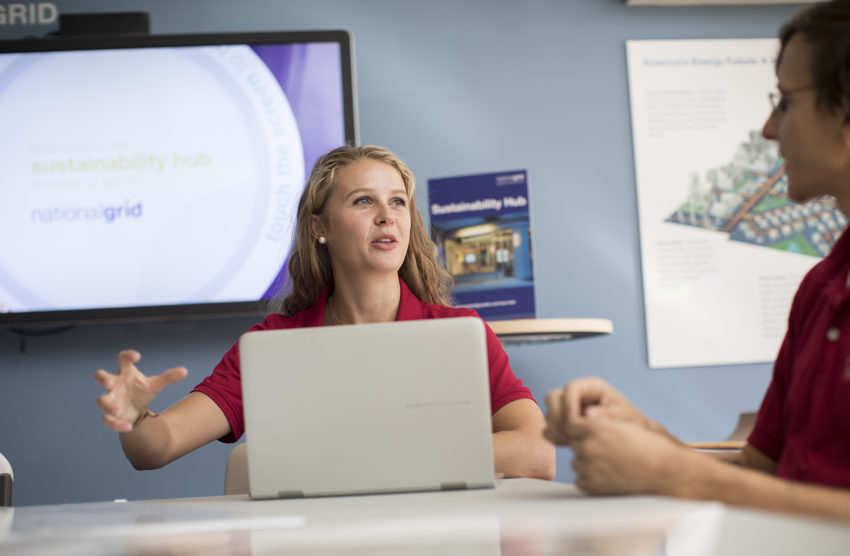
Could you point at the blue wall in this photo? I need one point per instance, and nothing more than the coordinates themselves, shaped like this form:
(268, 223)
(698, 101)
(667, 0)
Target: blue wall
(455, 87)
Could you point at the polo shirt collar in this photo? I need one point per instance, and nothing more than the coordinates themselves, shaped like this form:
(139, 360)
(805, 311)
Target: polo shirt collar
(313, 315)
(409, 307)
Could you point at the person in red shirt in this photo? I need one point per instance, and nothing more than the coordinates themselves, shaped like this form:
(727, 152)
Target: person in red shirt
(360, 255)
(797, 457)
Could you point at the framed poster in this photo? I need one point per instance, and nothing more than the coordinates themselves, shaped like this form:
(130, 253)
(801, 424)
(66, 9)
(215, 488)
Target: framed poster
(482, 226)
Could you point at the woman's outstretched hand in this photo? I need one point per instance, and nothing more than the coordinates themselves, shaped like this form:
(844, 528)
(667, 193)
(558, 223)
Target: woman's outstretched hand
(129, 392)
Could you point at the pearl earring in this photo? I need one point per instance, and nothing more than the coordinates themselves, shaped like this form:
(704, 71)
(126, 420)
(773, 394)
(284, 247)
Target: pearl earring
(322, 240)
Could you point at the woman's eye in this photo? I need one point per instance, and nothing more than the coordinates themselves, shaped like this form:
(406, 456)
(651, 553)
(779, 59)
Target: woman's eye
(362, 201)
(399, 202)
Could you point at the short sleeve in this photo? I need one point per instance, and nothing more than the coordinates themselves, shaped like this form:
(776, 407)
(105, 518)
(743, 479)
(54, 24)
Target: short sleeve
(505, 387)
(767, 434)
(224, 387)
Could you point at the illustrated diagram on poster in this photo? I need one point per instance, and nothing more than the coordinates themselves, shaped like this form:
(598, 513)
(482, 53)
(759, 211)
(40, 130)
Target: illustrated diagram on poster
(747, 199)
(723, 249)
(482, 227)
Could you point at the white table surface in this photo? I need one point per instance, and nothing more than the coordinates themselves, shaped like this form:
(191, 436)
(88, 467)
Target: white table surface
(519, 516)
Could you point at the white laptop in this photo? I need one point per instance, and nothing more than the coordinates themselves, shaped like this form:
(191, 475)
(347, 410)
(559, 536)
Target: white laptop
(373, 408)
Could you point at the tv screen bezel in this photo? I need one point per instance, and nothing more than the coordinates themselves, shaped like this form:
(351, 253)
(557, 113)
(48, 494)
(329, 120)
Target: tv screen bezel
(128, 313)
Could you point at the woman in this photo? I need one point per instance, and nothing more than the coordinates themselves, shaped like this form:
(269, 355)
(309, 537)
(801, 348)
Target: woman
(360, 255)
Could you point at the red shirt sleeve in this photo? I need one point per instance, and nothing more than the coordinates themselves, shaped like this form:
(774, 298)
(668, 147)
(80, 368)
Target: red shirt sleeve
(767, 435)
(505, 387)
(224, 387)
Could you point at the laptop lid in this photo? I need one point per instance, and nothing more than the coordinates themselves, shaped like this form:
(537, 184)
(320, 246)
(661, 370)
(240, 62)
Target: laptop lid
(374, 408)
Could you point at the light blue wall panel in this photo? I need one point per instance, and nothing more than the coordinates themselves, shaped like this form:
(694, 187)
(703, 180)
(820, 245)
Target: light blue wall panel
(455, 87)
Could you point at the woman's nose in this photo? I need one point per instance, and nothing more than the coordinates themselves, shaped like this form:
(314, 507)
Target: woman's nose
(383, 216)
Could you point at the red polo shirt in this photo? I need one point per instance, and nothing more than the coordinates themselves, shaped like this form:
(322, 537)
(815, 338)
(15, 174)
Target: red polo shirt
(804, 420)
(224, 385)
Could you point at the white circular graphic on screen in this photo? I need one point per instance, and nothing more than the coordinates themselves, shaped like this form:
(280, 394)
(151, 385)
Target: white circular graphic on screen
(148, 176)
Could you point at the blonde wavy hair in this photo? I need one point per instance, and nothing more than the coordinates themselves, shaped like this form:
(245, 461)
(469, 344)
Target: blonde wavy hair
(309, 267)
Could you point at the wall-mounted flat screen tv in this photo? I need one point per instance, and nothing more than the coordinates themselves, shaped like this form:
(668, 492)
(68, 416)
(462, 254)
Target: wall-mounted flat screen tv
(157, 176)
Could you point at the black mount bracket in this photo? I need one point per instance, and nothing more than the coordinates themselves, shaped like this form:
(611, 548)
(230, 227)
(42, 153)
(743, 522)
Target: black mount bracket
(100, 24)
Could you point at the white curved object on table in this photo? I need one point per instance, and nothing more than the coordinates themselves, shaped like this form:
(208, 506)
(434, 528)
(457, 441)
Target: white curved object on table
(522, 331)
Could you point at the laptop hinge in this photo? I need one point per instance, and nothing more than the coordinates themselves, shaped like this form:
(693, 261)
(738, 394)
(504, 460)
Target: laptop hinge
(290, 494)
(458, 485)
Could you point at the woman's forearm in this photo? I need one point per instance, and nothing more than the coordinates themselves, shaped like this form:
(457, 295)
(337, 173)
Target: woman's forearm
(519, 454)
(146, 446)
(157, 440)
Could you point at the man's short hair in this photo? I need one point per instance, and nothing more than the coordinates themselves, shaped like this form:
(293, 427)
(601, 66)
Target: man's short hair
(826, 27)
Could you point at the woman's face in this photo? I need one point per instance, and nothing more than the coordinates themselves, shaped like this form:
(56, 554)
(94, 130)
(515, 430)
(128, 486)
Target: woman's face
(366, 220)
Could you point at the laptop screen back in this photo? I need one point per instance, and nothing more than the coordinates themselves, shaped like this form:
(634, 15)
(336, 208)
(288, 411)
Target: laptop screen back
(356, 409)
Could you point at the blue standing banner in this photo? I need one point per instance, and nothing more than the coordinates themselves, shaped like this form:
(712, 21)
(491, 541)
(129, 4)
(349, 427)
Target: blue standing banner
(482, 226)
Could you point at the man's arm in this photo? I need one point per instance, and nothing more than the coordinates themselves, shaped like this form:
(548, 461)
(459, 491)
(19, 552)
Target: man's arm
(748, 457)
(754, 485)
(620, 457)
(591, 397)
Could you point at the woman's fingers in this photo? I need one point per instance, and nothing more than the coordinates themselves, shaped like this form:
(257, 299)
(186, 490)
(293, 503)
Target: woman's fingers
(104, 378)
(126, 363)
(118, 425)
(168, 377)
(111, 405)
(129, 356)
(128, 389)
(127, 360)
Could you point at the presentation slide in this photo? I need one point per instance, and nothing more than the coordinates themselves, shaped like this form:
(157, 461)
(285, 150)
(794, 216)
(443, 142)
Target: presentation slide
(154, 176)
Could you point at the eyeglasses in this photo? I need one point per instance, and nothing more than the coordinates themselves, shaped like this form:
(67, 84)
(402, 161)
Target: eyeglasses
(777, 98)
